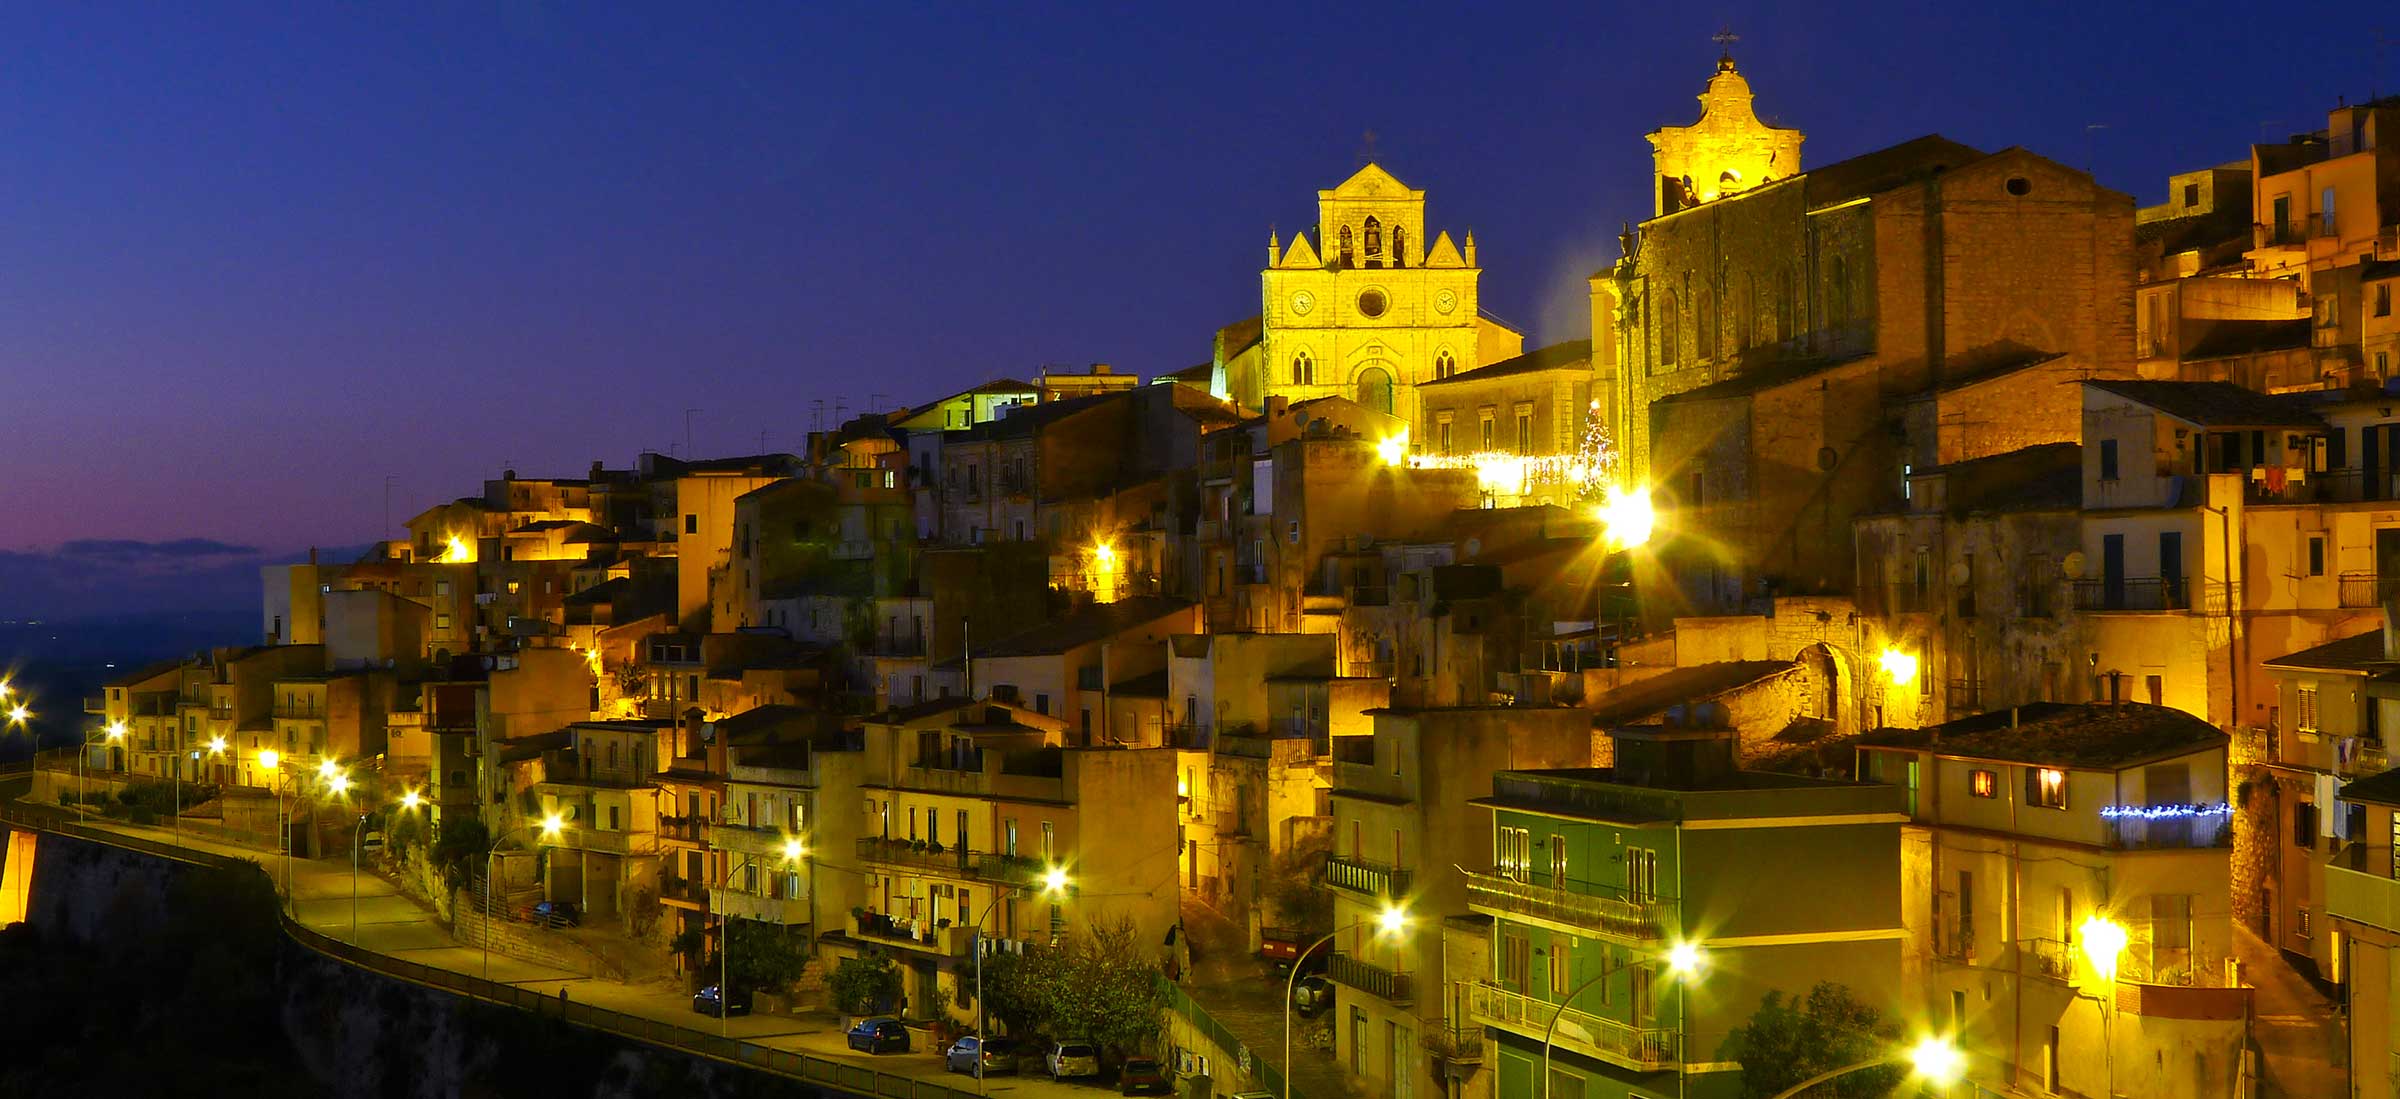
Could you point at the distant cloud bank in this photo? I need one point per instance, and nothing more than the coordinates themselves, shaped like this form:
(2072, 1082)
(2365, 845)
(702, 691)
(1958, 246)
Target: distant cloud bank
(106, 577)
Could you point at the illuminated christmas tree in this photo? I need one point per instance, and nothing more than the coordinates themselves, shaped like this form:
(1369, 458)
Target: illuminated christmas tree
(1596, 458)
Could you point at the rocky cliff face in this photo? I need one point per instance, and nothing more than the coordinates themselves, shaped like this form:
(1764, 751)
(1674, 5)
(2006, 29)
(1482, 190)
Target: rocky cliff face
(356, 1032)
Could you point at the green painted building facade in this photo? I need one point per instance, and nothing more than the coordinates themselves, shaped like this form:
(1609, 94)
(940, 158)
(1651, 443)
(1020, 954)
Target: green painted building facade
(1598, 876)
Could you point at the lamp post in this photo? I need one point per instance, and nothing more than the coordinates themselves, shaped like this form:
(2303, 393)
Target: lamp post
(1936, 1061)
(549, 828)
(408, 801)
(115, 730)
(1054, 883)
(1683, 961)
(1391, 921)
(272, 760)
(2103, 941)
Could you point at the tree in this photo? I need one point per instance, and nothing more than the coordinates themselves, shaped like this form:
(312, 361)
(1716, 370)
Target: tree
(764, 956)
(1790, 1040)
(459, 846)
(1296, 883)
(1103, 985)
(1008, 997)
(864, 983)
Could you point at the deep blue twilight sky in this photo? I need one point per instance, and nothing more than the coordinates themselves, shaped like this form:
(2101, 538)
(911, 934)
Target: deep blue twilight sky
(255, 259)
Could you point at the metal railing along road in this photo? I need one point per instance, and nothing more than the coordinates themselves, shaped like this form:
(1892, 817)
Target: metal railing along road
(857, 1079)
(1263, 1071)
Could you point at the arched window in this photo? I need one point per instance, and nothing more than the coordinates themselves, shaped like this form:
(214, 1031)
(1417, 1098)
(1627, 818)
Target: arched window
(1347, 260)
(1399, 246)
(1304, 369)
(1375, 389)
(1374, 242)
(1704, 327)
(1667, 317)
(1445, 364)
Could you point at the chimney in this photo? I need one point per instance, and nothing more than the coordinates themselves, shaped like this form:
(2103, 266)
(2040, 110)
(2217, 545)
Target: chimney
(508, 475)
(312, 555)
(1099, 368)
(596, 468)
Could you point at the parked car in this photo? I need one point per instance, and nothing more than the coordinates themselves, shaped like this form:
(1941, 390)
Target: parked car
(997, 1056)
(707, 1001)
(879, 1035)
(1067, 1059)
(1281, 946)
(1311, 995)
(556, 914)
(1144, 1076)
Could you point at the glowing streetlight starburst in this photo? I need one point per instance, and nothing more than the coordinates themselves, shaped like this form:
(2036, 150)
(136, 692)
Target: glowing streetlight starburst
(1685, 959)
(1393, 449)
(2103, 940)
(410, 799)
(1937, 1060)
(1899, 666)
(1626, 518)
(19, 715)
(552, 824)
(1054, 880)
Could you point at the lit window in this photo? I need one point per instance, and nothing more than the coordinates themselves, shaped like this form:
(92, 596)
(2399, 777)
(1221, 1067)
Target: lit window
(2304, 715)
(1983, 784)
(2045, 788)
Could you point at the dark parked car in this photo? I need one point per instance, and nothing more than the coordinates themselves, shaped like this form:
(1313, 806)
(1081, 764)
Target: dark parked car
(884, 1035)
(556, 914)
(997, 1055)
(1311, 996)
(1144, 1076)
(708, 1002)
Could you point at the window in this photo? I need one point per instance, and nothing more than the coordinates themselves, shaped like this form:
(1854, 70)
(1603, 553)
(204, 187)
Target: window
(2108, 459)
(1666, 329)
(1558, 861)
(2304, 714)
(1524, 431)
(441, 587)
(1983, 784)
(1372, 303)
(2316, 555)
(2045, 788)
(1049, 841)
(1514, 966)
(1041, 703)
(1444, 436)
(1347, 260)
(1641, 873)
(1291, 534)
(1304, 369)
(2304, 824)
(691, 524)
(1484, 423)
(1445, 364)
(1374, 240)
(1512, 851)
(2191, 195)
(1399, 246)
(2383, 299)
(1559, 957)
(2325, 208)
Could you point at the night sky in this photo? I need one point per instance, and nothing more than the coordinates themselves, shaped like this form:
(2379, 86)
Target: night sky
(254, 260)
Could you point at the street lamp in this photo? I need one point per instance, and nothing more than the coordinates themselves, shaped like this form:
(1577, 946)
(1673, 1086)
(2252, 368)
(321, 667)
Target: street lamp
(1054, 883)
(115, 730)
(1935, 1059)
(1683, 960)
(272, 760)
(358, 835)
(550, 828)
(1391, 921)
(2103, 941)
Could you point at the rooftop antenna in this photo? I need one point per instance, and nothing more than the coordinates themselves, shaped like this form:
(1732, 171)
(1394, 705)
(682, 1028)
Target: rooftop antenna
(762, 440)
(816, 415)
(687, 430)
(2091, 133)
(874, 401)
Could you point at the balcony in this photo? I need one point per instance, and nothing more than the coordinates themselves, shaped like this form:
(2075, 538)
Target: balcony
(2359, 887)
(750, 906)
(1398, 989)
(983, 866)
(1605, 910)
(950, 941)
(2358, 757)
(2195, 832)
(1194, 735)
(1459, 1045)
(2050, 958)
(730, 836)
(605, 842)
(1372, 878)
(2365, 589)
(682, 891)
(1643, 1049)
(2149, 593)
(679, 829)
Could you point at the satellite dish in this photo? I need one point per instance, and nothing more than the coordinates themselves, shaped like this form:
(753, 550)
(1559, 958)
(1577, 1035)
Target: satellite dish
(1474, 547)
(1959, 574)
(2072, 564)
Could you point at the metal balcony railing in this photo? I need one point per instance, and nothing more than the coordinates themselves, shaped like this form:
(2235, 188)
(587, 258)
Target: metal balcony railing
(1605, 910)
(2149, 593)
(1360, 876)
(1636, 1047)
(2195, 832)
(1374, 980)
(2051, 958)
(2365, 589)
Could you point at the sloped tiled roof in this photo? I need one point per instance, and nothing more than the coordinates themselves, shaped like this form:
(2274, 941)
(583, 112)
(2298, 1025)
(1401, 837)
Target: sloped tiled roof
(2089, 735)
(2356, 653)
(1571, 354)
(2212, 404)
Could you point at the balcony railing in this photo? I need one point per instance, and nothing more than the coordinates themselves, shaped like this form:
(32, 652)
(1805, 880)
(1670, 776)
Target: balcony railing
(949, 941)
(1187, 734)
(1374, 980)
(683, 829)
(2152, 593)
(1361, 876)
(682, 889)
(2358, 757)
(2197, 831)
(751, 906)
(1603, 909)
(1640, 1048)
(954, 862)
(1457, 1044)
(2365, 589)
(2051, 958)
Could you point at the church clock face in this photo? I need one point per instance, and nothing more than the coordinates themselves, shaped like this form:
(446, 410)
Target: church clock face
(1444, 301)
(1303, 301)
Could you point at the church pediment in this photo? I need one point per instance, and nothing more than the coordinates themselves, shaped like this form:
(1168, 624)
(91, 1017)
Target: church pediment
(1372, 182)
(1300, 257)
(1443, 253)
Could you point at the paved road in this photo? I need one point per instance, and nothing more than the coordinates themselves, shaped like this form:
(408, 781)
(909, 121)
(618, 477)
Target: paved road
(392, 924)
(2298, 1031)
(1246, 995)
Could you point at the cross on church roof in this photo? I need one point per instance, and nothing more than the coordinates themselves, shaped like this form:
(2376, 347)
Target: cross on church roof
(1366, 148)
(1725, 38)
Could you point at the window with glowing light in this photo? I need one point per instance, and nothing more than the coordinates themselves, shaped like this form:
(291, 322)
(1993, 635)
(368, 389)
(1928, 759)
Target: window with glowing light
(1983, 784)
(2045, 788)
